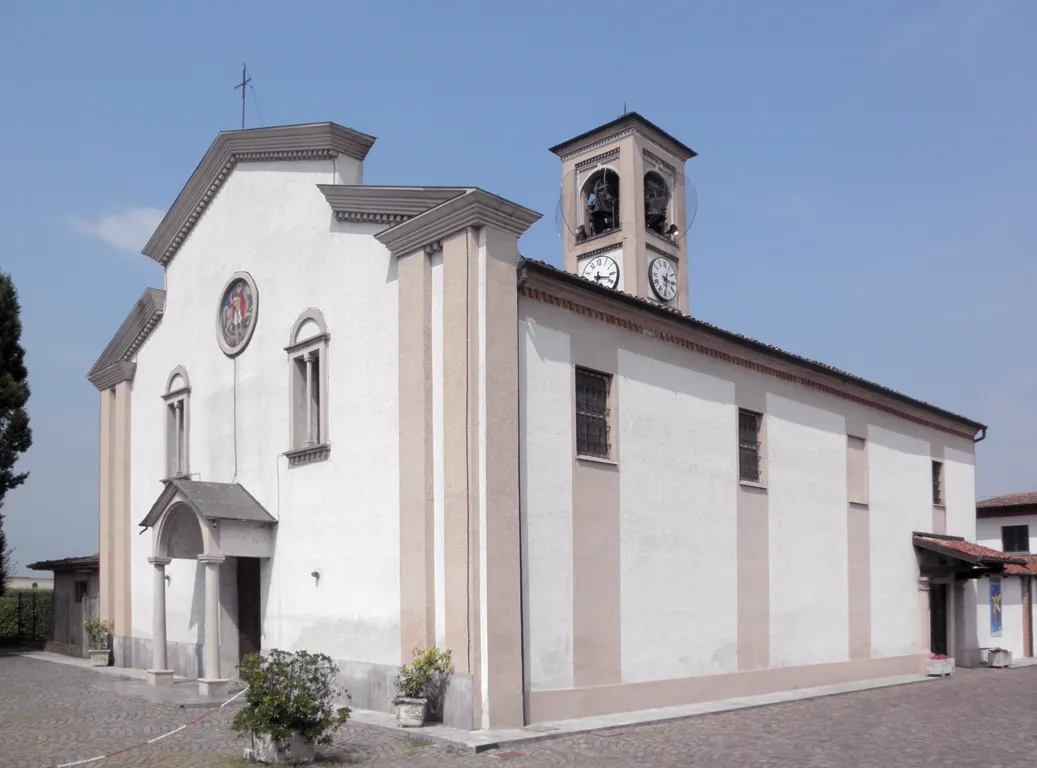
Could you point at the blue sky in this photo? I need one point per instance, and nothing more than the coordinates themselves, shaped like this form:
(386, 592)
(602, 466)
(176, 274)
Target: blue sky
(864, 179)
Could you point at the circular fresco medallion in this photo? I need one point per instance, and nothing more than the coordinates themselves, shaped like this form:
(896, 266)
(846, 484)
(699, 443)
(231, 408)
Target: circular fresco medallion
(237, 313)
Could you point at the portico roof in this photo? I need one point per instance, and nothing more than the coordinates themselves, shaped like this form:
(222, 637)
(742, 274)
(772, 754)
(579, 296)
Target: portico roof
(957, 548)
(213, 501)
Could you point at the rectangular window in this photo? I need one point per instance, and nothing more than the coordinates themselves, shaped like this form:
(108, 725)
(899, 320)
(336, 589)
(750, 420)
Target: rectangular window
(750, 463)
(857, 469)
(306, 399)
(81, 590)
(938, 483)
(592, 414)
(1015, 538)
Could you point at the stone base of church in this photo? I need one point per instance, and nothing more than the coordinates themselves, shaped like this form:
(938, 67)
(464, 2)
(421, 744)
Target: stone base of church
(212, 688)
(185, 659)
(160, 677)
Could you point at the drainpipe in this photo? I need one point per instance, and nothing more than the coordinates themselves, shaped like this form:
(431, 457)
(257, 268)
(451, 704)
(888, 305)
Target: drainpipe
(982, 436)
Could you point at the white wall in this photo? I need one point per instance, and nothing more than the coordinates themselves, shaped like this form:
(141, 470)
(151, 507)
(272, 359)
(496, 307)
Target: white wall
(959, 479)
(546, 476)
(341, 516)
(988, 529)
(901, 502)
(678, 521)
(807, 490)
(1011, 637)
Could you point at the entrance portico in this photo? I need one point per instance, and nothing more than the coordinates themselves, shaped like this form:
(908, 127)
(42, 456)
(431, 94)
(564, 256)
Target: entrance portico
(207, 522)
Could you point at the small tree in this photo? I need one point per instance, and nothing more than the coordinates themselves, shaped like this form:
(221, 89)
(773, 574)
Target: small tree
(426, 677)
(15, 435)
(290, 693)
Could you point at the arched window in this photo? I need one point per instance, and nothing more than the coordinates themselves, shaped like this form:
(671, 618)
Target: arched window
(657, 202)
(601, 202)
(308, 373)
(178, 422)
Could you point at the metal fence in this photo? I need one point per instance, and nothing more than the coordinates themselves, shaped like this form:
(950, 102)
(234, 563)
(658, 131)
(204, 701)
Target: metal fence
(26, 616)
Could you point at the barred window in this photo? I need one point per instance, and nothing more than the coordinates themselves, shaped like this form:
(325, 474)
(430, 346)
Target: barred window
(937, 482)
(749, 464)
(592, 413)
(1015, 538)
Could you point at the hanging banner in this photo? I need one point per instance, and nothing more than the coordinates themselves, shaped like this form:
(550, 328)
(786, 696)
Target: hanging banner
(995, 609)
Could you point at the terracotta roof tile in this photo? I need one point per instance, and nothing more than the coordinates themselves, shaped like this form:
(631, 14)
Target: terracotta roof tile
(1030, 569)
(1009, 500)
(970, 549)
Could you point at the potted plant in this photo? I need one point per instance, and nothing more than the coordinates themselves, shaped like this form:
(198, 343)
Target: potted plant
(939, 665)
(999, 657)
(288, 708)
(99, 630)
(421, 686)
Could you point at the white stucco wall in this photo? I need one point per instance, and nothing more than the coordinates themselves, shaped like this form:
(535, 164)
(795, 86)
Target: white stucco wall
(901, 502)
(1011, 636)
(339, 517)
(546, 475)
(676, 430)
(678, 521)
(988, 529)
(959, 479)
(807, 489)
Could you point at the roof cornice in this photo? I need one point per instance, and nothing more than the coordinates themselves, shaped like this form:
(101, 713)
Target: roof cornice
(544, 282)
(115, 363)
(625, 125)
(289, 142)
(474, 208)
(384, 205)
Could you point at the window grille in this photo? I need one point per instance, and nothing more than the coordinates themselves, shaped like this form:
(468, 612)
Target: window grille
(937, 482)
(592, 414)
(749, 464)
(1015, 538)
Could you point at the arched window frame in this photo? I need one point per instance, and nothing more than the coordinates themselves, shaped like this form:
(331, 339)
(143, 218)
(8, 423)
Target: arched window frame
(177, 399)
(666, 179)
(308, 391)
(586, 185)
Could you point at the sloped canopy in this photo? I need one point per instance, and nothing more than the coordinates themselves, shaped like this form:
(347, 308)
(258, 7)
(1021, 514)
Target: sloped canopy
(964, 558)
(212, 501)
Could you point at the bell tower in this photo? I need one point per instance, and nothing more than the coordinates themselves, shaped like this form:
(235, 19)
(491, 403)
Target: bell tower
(624, 207)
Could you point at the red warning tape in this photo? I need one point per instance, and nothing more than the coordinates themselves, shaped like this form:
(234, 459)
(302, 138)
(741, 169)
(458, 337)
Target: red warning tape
(211, 712)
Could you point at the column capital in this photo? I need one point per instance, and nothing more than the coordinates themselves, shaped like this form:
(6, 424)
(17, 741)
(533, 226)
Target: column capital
(211, 559)
(160, 561)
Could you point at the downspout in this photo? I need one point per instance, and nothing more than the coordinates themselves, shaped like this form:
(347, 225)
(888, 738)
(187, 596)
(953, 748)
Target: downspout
(982, 436)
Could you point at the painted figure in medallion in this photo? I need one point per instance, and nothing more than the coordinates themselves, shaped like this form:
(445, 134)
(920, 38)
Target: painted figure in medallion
(237, 312)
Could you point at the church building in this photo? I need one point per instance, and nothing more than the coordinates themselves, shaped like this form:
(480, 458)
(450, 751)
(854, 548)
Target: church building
(355, 420)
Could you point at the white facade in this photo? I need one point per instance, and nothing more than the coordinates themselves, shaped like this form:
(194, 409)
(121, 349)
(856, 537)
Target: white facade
(336, 517)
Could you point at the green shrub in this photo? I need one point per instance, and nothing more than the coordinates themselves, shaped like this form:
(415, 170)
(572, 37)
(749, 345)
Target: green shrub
(17, 611)
(426, 678)
(99, 631)
(290, 692)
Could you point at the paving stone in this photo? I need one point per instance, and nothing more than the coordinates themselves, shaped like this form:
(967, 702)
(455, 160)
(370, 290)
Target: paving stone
(53, 713)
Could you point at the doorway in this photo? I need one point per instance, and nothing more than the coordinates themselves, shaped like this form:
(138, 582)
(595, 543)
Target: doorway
(250, 623)
(938, 619)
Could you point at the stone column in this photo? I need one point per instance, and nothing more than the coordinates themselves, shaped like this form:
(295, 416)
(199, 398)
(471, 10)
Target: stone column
(159, 674)
(210, 683)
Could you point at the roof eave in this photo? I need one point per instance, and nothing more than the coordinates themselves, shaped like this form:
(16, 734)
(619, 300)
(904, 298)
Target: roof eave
(582, 284)
(682, 150)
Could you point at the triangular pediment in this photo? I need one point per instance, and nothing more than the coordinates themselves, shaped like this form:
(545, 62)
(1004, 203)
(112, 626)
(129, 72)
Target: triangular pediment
(291, 142)
(211, 501)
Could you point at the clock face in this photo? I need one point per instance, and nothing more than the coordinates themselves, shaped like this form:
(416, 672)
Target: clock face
(663, 277)
(603, 270)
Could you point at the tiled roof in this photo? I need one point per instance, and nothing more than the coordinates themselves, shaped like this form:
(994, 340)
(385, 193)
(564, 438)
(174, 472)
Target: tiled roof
(67, 563)
(662, 309)
(1030, 569)
(976, 552)
(1009, 500)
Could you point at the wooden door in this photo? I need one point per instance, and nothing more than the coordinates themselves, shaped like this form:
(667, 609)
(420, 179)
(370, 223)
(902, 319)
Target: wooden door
(249, 614)
(938, 618)
(1027, 617)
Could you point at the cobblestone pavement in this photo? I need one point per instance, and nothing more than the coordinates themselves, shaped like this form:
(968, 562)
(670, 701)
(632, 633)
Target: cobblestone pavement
(51, 713)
